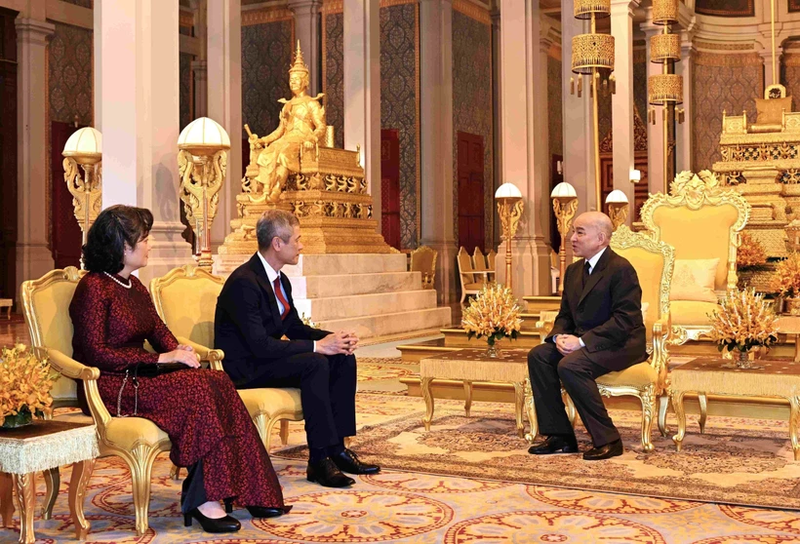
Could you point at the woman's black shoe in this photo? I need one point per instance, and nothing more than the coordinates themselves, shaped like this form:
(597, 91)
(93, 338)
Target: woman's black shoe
(263, 512)
(221, 525)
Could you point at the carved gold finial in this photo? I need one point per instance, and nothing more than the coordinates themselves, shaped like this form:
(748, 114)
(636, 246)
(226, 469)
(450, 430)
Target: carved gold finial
(298, 65)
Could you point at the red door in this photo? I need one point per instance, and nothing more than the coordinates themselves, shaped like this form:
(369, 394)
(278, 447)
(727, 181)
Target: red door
(390, 186)
(65, 231)
(470, 192)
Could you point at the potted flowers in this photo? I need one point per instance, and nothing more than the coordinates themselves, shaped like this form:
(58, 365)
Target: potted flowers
(493, 314)
(786, 282)
(25, 383)
(743, 321)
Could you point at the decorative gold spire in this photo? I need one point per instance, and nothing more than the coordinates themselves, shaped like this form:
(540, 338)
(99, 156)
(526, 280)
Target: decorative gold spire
(298, 65)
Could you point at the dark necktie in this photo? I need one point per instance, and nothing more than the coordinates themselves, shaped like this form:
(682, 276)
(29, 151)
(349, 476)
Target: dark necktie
(586, 273)
(281, 298)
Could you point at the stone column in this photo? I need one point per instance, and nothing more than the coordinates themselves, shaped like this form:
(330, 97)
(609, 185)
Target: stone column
(138, 102)
(362, 90)
(34, 258)
(622, 102)
(577, 117)
(523, 110)
(307, 30)
(683, 131)
(655, 132)
(436, 138)
(224, 56)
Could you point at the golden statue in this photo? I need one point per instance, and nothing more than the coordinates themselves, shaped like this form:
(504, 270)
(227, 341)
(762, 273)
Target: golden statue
(302, 129)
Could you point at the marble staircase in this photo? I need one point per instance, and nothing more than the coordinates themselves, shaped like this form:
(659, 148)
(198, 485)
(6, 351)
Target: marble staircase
(371, 294)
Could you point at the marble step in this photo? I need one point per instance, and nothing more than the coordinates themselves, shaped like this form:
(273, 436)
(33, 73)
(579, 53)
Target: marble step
(337, 264)
(353, 306)
(354, 284)
(391, 323)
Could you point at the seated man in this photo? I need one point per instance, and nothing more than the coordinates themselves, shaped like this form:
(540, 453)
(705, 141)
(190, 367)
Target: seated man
(254, 311)
(598, 329)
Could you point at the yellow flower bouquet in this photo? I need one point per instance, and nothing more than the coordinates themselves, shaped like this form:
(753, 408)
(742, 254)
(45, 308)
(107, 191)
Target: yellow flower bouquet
(751, 253)
(744, 321)
(786, 280)
(494, 314)
(25, 383)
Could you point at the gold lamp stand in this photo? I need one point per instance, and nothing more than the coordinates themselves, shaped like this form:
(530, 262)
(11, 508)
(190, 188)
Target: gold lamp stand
(565, 204)
(202, 161)
(85, 149)
(617, 205)
(509, 207)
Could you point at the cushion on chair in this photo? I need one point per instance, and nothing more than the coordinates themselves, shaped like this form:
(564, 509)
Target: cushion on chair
(637, 375)
(125, 432)
(693, 279)
(688, 312)
(762, 129)
(477, 286)
(770, 111)
(271, 401)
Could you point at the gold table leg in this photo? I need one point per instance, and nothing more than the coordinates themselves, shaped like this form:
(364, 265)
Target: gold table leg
(519, 401)
(468, 396)
(81, 472)
(702, 399)
(53, 481)
(6, 499)
(797, 348)
(680, 414)
(26, 492)
(794, 422)
(426, 394)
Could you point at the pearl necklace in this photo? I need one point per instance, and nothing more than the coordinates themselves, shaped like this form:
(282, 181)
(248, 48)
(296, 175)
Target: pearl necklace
(130, 283)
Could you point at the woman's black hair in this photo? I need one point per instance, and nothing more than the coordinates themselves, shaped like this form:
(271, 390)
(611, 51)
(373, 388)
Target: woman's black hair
(112, 230)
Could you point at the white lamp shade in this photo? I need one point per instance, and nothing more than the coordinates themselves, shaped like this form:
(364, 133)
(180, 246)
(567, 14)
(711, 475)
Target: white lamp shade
(616, 197)
(508, 190)
(85, 141)
(564, 190)
(204, 132)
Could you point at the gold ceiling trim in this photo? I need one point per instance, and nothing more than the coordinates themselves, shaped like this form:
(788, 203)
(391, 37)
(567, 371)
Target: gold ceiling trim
(714, 46)
(186, 18)
(331, 7)
(465, 7)
(266, 15)
(715, 59)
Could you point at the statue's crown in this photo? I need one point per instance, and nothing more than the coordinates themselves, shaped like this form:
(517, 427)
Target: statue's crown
(298, 65)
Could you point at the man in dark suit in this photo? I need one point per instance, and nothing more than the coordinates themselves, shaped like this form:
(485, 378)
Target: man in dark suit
(598, 329)
(254, 312)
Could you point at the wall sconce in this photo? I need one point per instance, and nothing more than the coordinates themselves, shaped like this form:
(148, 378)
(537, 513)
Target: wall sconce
(509, 208)
(84, 148)
(636, 177)
(202, 161)
(565, 204)
(617, 203)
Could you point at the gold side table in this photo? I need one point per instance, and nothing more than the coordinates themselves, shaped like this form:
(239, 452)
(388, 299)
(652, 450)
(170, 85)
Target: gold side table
(43, 446)
(707, 376)
(471, 365)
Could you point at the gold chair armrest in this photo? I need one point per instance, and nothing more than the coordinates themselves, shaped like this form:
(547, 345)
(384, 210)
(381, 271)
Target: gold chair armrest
(71, 368)
(213, 356)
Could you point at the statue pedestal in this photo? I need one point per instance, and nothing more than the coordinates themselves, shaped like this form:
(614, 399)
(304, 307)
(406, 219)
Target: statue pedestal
(370, 294)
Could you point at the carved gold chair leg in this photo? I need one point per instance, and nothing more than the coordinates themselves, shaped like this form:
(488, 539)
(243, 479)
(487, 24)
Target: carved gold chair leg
(572, 413)
(284, 431)
(140, 462)
(702, 399)
(663, 406)
(264, 429)
(175, 473)
(647, 396)
(428, 396)
(467, 397)
(81, 473)
(52, 480)
(533, 419)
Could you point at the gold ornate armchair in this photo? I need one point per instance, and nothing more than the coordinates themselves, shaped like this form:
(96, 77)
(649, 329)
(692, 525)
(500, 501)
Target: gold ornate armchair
(647, 381)
(701, 219)
(470, 284)
(423, 259)
(136, 440)
(186, 299)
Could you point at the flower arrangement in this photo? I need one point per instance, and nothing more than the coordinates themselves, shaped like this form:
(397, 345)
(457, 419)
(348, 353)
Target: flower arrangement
(744, 321)
(786, 280)
(25, 383)
(493, 314)
(751, 253)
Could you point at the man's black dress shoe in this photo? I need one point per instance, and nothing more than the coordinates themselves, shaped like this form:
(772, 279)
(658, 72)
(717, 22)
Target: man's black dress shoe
(348, 461)
(264, 512)
(555, 444)
(606, 451)
(221, 525)
(326, 474)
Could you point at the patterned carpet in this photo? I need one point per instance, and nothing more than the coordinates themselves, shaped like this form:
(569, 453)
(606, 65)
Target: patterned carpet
(416, 506)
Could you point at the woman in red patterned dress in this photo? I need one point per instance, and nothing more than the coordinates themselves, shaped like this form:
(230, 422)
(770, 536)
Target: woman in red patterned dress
(200, 410)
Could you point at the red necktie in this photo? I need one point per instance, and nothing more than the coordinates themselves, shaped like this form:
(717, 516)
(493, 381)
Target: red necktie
(279, 294)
